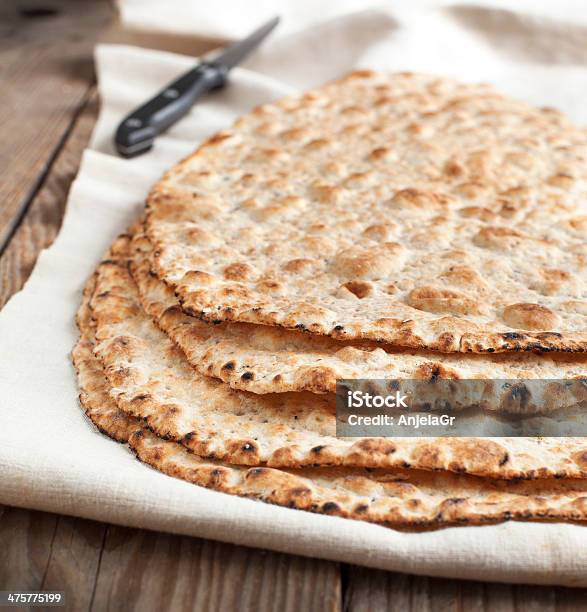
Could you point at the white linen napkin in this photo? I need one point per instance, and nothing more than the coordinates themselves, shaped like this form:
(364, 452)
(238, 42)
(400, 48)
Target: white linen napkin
(50, 456)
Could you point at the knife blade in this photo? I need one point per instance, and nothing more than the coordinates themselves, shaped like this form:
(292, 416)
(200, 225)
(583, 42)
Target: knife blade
(136, 133)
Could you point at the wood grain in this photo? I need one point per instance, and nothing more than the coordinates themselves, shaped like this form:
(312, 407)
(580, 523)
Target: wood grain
(140, 570)
(26, 538)
(74, 560)
(367, 590)
(41, 224)
(45, 74)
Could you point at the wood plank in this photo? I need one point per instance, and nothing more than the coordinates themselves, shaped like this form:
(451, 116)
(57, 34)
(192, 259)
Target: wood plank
(43, 219)
(45, 75)
(367, 590)
(567, 600)
(74, 558)
(26, 537)
(146, 571)
(533, 599)
(500, 597)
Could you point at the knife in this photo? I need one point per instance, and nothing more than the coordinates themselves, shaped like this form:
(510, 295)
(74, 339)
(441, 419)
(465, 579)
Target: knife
(136, 133)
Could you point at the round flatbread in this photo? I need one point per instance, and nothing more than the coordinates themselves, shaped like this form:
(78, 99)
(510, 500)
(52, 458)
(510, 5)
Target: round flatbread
(270, 359)
(402, 208)
(152, 380)
(398, 498)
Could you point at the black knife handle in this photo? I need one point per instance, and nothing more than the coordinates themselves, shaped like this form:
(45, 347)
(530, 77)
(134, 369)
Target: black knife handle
(136, 133)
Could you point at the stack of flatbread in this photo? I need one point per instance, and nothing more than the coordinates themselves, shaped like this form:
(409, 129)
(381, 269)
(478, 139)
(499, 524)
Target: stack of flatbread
(382, 226)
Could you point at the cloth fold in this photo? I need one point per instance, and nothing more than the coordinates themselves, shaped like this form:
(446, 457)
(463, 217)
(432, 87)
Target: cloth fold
(50, 456)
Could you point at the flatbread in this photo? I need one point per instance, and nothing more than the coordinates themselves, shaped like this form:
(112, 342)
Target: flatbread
(152, 380)
(97, 404)
(398, 498)
(269, 359)
(402, 208)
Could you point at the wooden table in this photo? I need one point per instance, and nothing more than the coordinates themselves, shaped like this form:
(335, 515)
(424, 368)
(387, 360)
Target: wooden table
(48, 107)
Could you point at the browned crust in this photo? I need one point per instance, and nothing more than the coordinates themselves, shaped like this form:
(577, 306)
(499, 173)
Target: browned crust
(390, 331)
(108, 418)
(268, 359)
(139, 394)
(347, 494)
(231, 301)
(393, 498)
(396, 500)
(94, 398)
